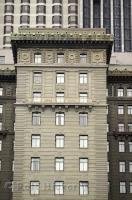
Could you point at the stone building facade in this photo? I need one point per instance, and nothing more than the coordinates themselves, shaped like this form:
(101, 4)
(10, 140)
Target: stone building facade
(61, 114)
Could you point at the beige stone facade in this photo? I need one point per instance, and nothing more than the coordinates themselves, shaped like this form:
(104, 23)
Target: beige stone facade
(94, 107)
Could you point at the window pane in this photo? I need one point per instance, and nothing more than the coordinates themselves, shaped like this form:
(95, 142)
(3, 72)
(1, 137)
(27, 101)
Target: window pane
(122, 187)
(1, 91)
(34, 187)
(83, 119)
(59, 188)
(83, 141)
(59, 141)
(35, 162)
(83, 97)
(60, 58)
(120, 92)
(35, 140)
(37, 77)
(59, 164)
(83, 164)
(36, 118)
(83, 78)
(129, 92)
(36, 97)
(0, 145)
(120, 110)
(121, 166)
(130, 146)
(60, 97)
(59, 118)
(121, 146)
(37, 58)
(129, 110)
(83, 188)
(121, 127)
(60, 78)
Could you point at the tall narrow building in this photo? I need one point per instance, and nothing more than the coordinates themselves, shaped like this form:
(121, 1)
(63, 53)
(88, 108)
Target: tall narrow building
(61, 114)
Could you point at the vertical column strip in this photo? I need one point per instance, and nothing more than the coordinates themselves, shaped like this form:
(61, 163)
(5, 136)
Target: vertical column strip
(91, 13)
(101, 13)
(122, 26)
(112, 19)
(81, 14)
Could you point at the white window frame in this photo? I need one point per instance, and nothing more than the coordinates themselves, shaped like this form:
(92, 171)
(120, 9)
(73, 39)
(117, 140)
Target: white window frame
(35, 141)
(120, 110)
(130, 146)
(36, 118)
(1, 91)
(37, 77)
(59, 187)
(121, 127)
(83, 78)
(129, 110)
(35, 163)
(121, 146)
(1, 109)
(130, 166)
(60, 119)
(59, 141)
(60, 78)
(37, 58)
(120, 92)
(83, 58)
(122, 187)
(59, 164)
(129, 92)
(84, 190)
(34, 187)
(83, 141)
(130, 127)
(37, 97)
(83, 97)
(60, 57)
(122, 166)
(83, 164)
(60, 97)
(83, 119)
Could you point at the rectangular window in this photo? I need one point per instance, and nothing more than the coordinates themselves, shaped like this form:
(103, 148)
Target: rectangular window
(60, 57)
(83, 77)
(0, 126)
(108, 146)
(120, 92)
(83, 58)
(122, 187)
(37, 77)
(2, 59)
(0, 165)
(60, 78)
(130, 187)
(36, 97)
(59, 187)
(60, 118)
(129, 127)
(59, 164)
(83, 141)
(122, 167)
(35, 164)
(59, 140)
(130, 146)
(83, 119)
(83, 188)
(60, 97)
(130, 166)
(83, 164)
(129, 110)
(1, 109)
(121, 127)
(83, 97)
(36, 118)
(121, 146)
(34, 187)
(0, 145)
(129, 92)
(35, 141)
(38, 58)
(1, 91)
(120, 110)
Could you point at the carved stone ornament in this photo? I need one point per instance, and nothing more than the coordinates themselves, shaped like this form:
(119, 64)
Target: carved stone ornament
(25, 56)
(97, 57)
(49, 57)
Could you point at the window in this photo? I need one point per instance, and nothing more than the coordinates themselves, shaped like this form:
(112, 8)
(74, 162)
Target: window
(129, 127)
(0, 165)
(121, 127)
(130, 166)
(83, 58)
(72, 19)
(72, 9)
(2, 59)
(59, 140)
(7, 40)
(130, 146)
(83, 119)
(83, 97)
(35, 140)
(38, 58)
(34, 187)
(40, 19)
(108, 146)
(120, 92)
(56, 19)
(25, 1)
(130, 187)
(83, 188)
(59, 187)
(57, 9)
(37, 77)
(0, 145)
(57, 1)
(60, 118)
(9, 1)
(1, 91)
(1, 109)
(8, 29)
(25, 9)
(83, 164)
(8, 19)
(9, 9)
(60, 97)
(121, 146)
(129, 92)
(59, 164)
(60, 57)
(35, 164)
(41, 9)
(36, 118)
(72, 1)
(60, 78)
(122, 187)
(83, 141)
(120, 110)
(24, 19)
(129, 110)
(36, 97)
(41, 1)
(83, 78)
(0, 126)
(122, 167)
